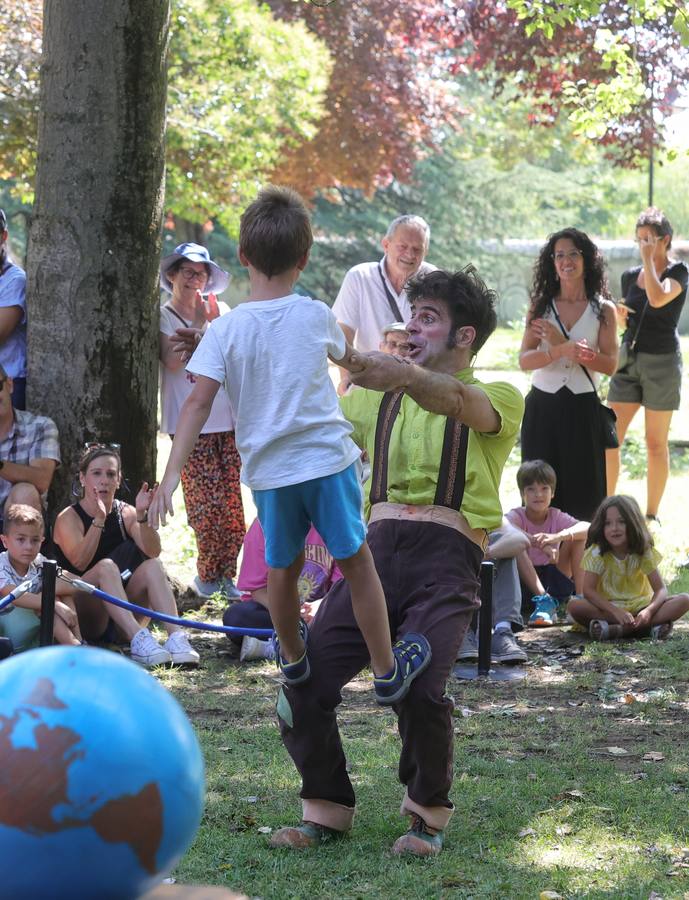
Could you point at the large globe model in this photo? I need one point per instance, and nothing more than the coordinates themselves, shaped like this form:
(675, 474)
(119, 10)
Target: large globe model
(101, 776)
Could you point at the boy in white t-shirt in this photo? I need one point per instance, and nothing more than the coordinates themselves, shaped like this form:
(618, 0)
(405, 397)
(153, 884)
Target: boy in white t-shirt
(271, 353)
(550, 570)
(21, 561)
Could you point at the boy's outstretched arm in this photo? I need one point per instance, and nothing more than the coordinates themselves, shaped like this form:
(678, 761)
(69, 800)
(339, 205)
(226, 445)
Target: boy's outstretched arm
(192, 418)
(355, 361)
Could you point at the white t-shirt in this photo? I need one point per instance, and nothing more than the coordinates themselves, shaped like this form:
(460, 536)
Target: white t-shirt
(565, 372)
(363, 305)
(176, 385)
(272, 356)
(9, 575)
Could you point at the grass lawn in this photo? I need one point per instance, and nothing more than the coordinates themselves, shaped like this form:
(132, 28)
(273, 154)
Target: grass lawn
(574, 780)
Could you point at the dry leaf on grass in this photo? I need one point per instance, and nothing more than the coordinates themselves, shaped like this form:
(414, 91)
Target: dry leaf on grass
(653, 756)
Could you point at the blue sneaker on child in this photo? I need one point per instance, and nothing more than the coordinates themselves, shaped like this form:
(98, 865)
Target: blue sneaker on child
(545, 611)
(299, 671)
(412, 655)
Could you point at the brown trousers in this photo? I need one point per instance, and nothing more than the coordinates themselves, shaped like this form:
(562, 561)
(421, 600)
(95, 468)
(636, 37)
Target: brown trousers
(430, 575)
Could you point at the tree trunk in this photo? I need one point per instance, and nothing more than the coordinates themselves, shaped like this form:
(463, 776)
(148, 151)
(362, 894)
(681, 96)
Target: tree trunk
(95, 236)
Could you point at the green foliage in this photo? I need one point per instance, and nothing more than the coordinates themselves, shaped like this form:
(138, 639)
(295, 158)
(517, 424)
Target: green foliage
(243, 87)
(595, 106)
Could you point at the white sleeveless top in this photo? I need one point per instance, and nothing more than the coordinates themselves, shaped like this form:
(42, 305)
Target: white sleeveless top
(566, 372)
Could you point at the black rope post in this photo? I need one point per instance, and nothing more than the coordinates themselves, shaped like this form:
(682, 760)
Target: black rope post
(485, 619)
(45, 635)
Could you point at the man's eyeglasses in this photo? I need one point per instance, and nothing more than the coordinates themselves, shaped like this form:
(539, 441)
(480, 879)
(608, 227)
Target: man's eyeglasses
(569, 255)
(189, 273)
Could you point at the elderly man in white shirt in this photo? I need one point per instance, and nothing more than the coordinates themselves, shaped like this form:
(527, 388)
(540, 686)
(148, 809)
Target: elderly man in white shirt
(372, 294)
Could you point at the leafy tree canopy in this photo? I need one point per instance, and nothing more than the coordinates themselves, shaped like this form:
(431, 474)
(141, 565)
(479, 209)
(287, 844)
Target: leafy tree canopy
(388, 96)
(243, 87)
(607, 65)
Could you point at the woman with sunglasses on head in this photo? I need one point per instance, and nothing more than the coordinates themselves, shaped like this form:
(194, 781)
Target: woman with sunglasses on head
(650, 372)
(12, 319)
(210, 479)
(99, 538)
(569, 341)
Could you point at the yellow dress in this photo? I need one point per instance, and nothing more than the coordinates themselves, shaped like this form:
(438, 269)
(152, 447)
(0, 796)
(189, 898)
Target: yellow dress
(623, 581)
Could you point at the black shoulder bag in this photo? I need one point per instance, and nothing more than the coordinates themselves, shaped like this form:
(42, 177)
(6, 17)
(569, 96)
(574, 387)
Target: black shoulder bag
(606, 416)
(627, 348)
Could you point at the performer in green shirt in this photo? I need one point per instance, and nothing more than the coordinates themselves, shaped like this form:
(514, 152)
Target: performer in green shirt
(438, 440)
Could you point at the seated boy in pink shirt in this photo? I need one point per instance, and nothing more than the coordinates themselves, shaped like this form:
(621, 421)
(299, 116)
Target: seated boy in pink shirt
(318, 575)
(550, 570)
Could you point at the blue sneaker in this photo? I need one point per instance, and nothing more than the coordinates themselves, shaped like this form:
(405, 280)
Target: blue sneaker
(412, 656)
(545, 611)
(294, 672)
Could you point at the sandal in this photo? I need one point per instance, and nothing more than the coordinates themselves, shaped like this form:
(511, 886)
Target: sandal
(661, 632)
(599, 630)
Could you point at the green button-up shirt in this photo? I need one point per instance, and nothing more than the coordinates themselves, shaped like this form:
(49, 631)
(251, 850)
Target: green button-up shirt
(416, 445)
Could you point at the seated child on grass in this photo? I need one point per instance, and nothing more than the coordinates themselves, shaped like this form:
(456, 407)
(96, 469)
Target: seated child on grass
(22, 539)
(624, 594)
(550, 570)
(320, 572)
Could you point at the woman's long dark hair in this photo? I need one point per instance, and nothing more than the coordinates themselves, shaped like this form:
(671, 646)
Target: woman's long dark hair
(546, 284)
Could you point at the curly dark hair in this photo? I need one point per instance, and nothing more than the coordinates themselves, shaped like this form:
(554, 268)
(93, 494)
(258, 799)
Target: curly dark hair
(467, 297)
(546, 284)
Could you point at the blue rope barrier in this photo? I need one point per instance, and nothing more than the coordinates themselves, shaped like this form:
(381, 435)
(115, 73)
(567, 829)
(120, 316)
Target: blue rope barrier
(20, 589)
(264, 633)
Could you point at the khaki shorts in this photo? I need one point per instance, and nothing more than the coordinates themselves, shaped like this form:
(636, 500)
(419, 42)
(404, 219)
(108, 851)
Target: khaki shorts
(651, 379)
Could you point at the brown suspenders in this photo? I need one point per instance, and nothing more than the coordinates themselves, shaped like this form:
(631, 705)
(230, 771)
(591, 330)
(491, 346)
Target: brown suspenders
(452, 472)
(387, 413)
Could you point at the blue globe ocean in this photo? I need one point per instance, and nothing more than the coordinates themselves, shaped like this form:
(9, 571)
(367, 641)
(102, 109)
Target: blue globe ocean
(101, 776)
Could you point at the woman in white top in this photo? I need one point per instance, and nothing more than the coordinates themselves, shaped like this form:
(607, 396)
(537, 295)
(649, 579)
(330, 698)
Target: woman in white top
(570, 338)
(210, 479)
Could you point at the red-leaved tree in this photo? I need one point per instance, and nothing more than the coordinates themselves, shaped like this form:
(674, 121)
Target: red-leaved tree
(387, 97)
(491, 39)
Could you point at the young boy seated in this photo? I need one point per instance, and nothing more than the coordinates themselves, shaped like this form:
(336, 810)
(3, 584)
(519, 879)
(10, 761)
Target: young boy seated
(22, 538)
(318, 575)
(550, 570)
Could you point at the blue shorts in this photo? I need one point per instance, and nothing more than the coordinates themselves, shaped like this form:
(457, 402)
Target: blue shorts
(332, 504)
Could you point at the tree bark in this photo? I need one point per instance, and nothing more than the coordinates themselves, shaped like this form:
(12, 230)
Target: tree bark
(94, 243)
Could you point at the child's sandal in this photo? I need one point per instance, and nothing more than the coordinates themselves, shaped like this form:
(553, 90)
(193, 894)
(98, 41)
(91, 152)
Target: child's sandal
(661, 632)
(598, 630)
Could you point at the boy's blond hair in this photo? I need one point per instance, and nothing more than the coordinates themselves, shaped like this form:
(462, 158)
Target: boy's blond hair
(275, 230)
(21, 514)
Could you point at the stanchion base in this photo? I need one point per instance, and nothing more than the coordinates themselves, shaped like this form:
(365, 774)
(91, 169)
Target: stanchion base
(504, 673)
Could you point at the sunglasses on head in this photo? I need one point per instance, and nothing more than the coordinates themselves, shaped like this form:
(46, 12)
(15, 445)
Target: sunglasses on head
(99, 445)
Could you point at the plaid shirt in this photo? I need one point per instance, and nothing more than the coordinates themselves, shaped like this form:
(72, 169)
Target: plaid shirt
(31, 437)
